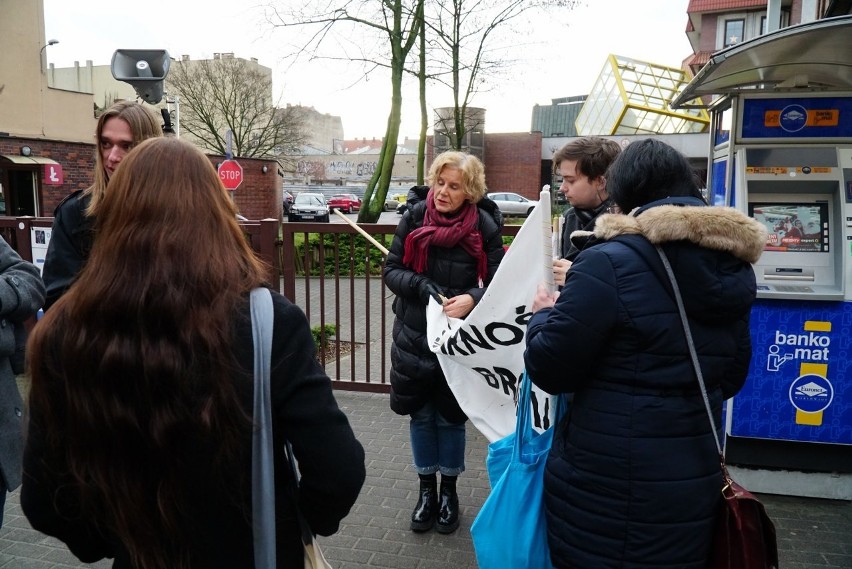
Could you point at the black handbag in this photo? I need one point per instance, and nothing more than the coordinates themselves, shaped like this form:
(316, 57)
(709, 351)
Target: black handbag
(744, 536)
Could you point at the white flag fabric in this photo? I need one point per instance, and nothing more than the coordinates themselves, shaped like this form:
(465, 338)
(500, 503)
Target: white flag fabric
(482, 356)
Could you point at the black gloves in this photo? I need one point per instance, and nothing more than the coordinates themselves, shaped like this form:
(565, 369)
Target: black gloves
(426, 288)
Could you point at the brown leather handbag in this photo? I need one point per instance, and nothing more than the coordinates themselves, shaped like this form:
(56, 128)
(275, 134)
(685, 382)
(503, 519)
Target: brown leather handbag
(744, 536)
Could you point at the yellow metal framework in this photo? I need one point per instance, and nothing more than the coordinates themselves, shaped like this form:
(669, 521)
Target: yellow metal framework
(633, 97)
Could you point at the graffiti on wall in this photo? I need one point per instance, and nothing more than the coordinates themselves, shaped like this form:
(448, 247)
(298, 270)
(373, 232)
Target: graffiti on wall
(311, 168)
(366, 168)
(335, 168)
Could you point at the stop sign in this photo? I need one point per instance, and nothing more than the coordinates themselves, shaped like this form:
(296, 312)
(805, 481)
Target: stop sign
(231, 174)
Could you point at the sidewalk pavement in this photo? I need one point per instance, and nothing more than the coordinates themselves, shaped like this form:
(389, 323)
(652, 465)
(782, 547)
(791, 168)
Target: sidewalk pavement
(812, 533)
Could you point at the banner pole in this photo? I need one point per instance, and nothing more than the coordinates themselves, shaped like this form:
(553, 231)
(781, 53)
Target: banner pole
(547, 236)
(366, 235)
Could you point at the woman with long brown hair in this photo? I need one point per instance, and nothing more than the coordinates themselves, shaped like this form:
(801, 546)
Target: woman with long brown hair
(139, 434)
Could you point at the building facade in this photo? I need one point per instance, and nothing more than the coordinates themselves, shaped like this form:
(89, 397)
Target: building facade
(48, 120)
(46, 134)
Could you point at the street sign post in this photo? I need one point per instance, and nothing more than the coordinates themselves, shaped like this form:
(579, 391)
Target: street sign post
(231, 174)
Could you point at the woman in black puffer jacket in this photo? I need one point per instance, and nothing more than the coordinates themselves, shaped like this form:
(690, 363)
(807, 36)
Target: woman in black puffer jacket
(633, 478)
(447, 247)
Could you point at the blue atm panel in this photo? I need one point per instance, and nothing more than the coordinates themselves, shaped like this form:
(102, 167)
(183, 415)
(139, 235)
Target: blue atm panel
(717, 194)
(800, 381)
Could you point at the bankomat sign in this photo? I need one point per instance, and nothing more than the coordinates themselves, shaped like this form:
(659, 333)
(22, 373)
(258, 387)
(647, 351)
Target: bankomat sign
(811, 393)
(797, 387)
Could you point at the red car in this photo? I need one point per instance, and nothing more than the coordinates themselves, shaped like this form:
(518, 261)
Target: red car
(347, 203)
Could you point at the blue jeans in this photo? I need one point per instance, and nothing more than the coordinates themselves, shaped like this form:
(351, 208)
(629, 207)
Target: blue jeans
(436, 443)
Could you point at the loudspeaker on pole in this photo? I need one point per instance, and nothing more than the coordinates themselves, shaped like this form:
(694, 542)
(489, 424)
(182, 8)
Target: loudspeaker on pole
(144, 69)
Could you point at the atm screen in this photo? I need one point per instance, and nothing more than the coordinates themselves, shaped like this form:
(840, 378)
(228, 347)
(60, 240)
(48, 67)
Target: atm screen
(794, 227)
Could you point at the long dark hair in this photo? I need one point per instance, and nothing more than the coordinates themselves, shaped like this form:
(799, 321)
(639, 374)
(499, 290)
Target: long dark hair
(649, 170)
(135, 363)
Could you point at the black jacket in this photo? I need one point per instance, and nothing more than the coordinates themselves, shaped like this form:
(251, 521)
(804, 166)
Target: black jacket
(70, 244)
(416, 376)
(218, 520)
(579, 220)
(633, 476)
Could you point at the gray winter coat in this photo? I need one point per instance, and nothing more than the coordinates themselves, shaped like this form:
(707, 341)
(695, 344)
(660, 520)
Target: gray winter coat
(21, 295)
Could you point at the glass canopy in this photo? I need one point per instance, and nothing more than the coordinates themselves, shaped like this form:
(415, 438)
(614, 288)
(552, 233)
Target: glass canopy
(633, 97)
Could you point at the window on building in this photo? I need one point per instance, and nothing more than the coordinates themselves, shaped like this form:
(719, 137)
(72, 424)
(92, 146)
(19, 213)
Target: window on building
(734, 32)
(762, 25)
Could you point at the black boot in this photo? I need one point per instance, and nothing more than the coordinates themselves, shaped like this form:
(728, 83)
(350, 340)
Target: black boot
(448, 508)
(426, 510)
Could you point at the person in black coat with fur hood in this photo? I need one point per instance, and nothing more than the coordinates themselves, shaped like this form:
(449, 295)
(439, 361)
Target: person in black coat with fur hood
(447, 247)
(633, 478)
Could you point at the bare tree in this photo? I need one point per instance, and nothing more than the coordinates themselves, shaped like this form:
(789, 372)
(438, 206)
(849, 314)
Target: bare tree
(386, 30)
(459, 48)
(233, 94)
(473, 47)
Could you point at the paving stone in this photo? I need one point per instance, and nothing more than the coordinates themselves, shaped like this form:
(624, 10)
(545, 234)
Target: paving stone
(811, 533)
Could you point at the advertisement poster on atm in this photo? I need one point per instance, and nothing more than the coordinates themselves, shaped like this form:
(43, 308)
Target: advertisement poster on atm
(800, 381)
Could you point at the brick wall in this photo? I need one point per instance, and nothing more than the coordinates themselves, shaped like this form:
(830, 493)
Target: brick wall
(513, 163)
(258, 197)
(77, 160)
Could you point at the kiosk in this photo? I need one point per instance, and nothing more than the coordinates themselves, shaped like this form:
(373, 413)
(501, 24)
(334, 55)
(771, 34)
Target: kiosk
(782, 153)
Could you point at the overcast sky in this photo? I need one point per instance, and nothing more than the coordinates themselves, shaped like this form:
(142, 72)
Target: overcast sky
(559, 60)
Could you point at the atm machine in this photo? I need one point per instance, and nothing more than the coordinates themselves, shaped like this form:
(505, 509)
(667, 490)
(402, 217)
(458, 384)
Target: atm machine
(782, 153)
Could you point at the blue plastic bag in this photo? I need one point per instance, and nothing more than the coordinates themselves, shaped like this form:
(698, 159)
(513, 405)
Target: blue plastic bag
(510, 530)
(500, 451)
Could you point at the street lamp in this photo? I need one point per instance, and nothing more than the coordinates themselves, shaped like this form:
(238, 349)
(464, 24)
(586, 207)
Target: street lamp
(41, 53)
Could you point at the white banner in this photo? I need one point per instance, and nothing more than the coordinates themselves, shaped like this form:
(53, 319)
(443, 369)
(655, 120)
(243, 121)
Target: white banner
(483, 355)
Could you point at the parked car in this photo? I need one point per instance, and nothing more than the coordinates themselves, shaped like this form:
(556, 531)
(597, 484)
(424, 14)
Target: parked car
(513, 204)
(393, 201)
(288, 201)
(390, 204)
(347, 203)
(308, 207)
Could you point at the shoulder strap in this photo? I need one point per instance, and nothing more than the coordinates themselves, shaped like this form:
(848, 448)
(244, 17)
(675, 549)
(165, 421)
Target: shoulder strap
(685, 322)
(263, 467)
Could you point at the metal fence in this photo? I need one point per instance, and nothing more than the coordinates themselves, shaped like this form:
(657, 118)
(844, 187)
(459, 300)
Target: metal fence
(335, 276)
(327, 269)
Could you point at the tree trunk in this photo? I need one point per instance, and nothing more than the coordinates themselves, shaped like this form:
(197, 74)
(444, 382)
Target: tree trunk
(377, 189)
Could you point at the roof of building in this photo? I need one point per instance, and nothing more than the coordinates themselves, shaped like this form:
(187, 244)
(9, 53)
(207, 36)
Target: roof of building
(698, 59)
(360, 145)
(374, 146)
(557, 118)
(814, 55)
(723, 5)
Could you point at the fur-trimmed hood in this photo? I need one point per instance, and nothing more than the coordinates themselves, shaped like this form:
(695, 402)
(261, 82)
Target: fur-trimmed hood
(717, 228)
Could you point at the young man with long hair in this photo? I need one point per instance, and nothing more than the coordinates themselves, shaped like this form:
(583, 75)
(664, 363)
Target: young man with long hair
(121, 127)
